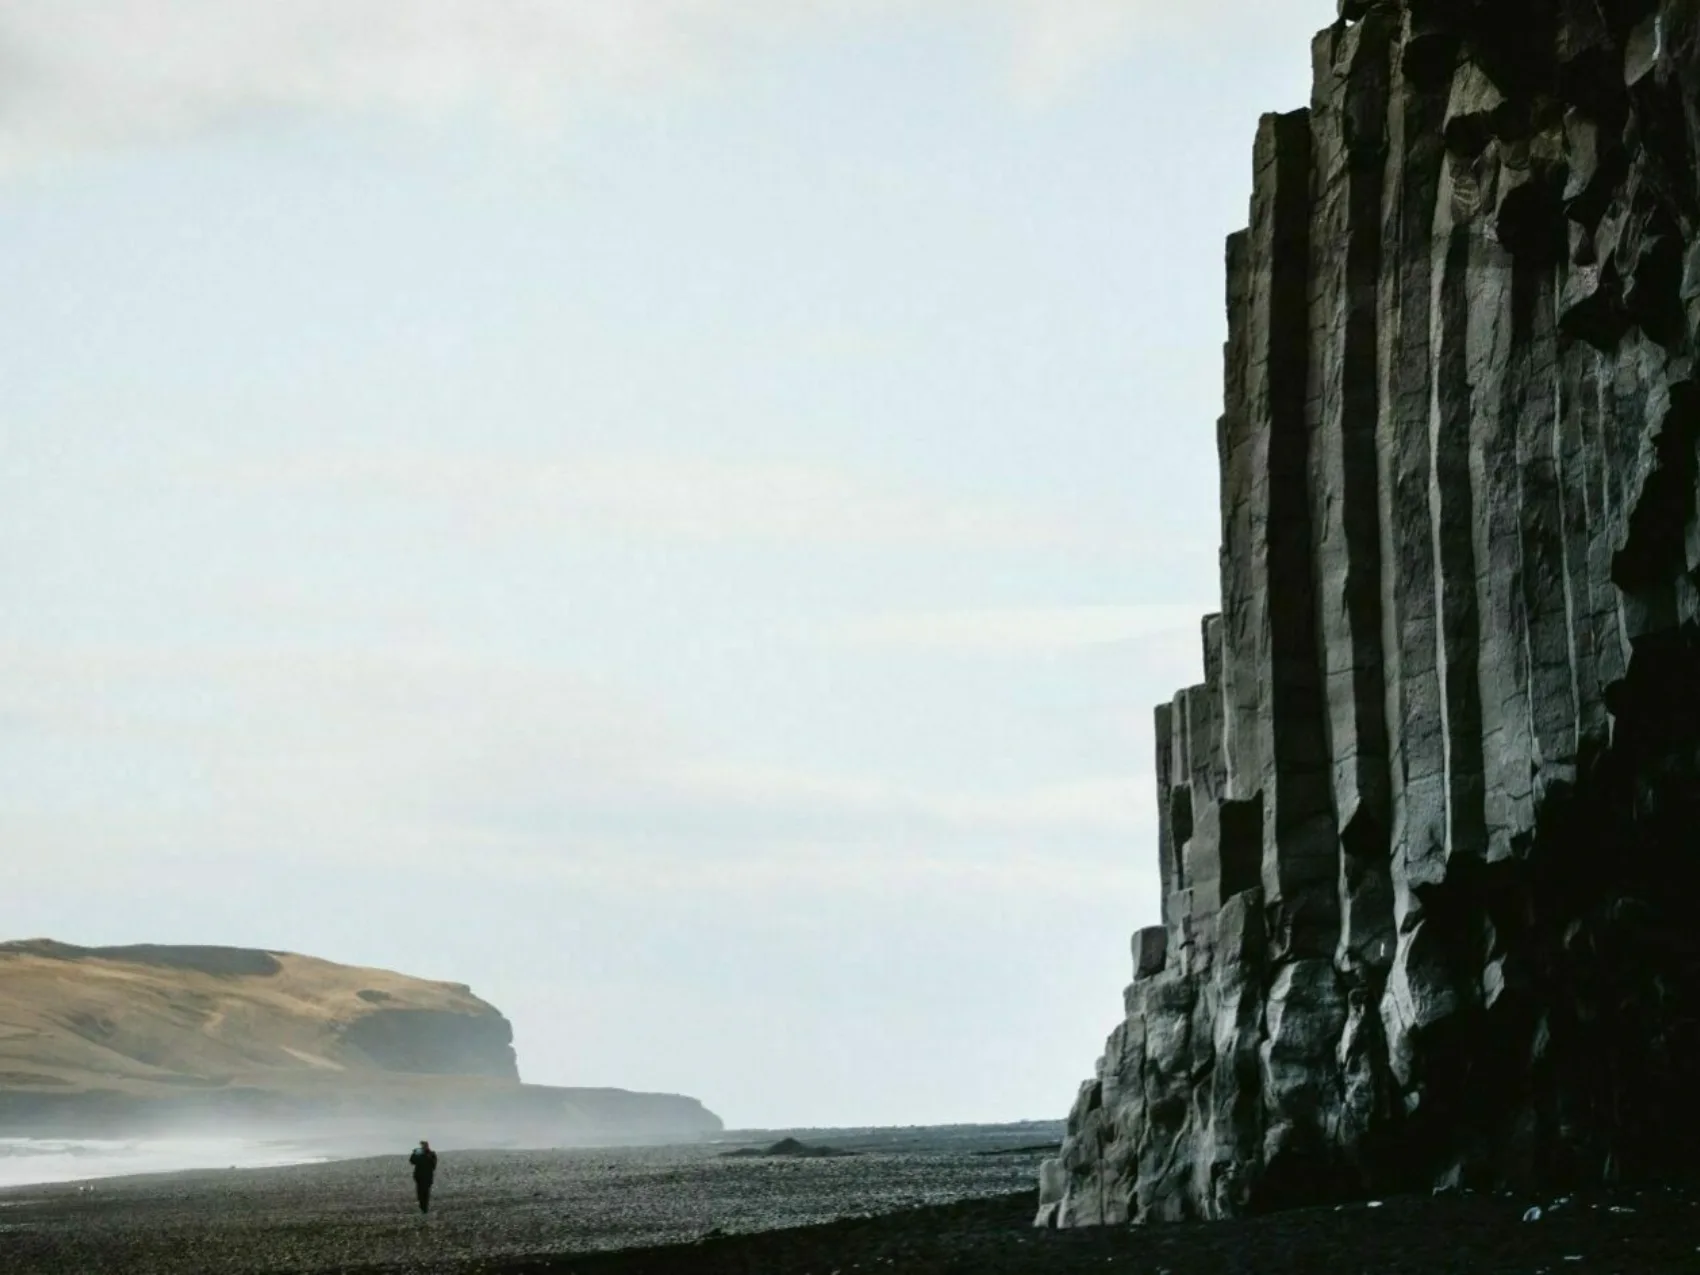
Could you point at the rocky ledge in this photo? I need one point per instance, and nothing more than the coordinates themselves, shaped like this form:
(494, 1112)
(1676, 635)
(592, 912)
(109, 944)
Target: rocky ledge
(1428, 836)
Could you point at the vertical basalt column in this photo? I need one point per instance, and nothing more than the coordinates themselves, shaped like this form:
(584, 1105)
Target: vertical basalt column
(1183, 810)
(1508, 1039)
(1555, 710)
(1242, 694)
(1301, 850)
(1594, 600)
(1484, 367)
(1587, 602)
(1417, 757)
(1204, 734)
(1231, 1132)
(1167, 848)
(1469, 337)
(1304, 1010)
(1211, 631)
(1349, 130)
(1203, 851)
(1613, 626)
(1491, 395)
(1201, 754)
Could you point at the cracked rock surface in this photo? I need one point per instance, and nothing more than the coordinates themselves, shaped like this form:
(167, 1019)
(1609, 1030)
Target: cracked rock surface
(1430, 831)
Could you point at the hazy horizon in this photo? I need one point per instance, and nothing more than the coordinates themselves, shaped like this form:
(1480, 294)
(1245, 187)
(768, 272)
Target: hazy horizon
(674, 517)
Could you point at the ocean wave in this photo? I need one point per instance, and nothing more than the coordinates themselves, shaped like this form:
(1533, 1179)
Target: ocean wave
(37, 1161)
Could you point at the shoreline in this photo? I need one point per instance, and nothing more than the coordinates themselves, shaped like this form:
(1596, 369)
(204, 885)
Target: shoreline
(211, 1152)
(489, 1208)
(947, 1207)
(44, 1162)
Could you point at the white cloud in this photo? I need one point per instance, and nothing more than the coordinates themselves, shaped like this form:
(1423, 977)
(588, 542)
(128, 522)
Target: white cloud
(1022, 630)
(426, 759)
(1112, 805)
(666, 497)
(1060, 42)
(84, 74)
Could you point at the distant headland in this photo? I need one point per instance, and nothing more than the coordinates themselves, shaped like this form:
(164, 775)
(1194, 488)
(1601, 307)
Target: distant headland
(127, 1041)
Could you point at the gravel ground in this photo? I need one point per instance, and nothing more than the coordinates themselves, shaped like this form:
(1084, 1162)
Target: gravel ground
(652, 1213)
(1656, 1234)
(487, 1205)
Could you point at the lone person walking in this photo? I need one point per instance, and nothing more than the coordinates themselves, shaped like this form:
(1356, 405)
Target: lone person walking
(424, 1162)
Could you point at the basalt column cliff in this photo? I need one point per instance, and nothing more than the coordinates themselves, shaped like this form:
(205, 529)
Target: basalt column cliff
(1430, 830)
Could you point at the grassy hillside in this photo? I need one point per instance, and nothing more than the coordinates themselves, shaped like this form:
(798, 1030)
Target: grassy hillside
(159, 1019)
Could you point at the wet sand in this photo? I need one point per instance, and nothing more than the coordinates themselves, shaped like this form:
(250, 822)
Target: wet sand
(652, 1213)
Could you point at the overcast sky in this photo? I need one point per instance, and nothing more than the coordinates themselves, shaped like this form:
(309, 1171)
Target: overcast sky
(672, 512)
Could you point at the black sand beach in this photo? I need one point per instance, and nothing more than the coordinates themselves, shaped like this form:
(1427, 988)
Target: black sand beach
(687, 1210)
(360, 1214)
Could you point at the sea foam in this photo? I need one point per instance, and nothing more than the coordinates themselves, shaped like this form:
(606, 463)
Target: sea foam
(34, 1161)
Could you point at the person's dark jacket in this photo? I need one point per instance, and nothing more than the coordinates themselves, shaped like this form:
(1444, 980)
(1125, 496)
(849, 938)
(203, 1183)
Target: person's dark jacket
(424, 1164)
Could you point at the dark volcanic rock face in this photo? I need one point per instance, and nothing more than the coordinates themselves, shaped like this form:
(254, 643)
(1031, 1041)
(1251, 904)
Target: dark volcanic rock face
(1430, 831)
